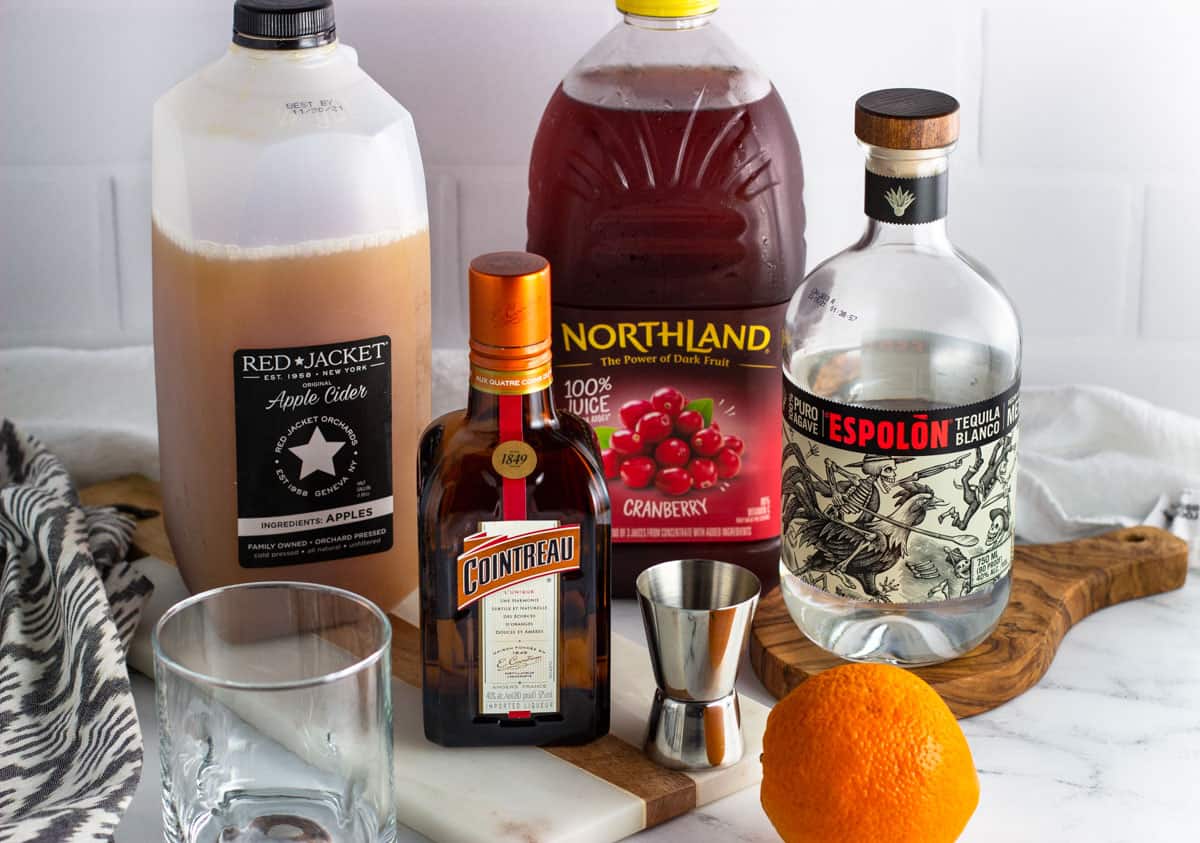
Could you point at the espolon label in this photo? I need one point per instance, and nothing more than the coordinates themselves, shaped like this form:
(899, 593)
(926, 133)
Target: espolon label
(898, 506)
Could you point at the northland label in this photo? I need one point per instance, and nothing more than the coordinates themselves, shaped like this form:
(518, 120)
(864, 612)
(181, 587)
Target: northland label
(686, 335)
(511, 568)
(314, 451)
(898, 506)
(726, 365)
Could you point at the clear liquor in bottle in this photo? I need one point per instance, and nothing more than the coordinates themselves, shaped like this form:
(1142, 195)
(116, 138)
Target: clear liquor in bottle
(514, 532)
(902, 368)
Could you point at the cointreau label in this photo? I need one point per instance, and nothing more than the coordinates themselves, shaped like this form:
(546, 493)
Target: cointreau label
(492, 561)
(512, 569)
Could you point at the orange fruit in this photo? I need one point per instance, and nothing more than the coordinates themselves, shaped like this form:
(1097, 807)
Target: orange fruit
(866, 753)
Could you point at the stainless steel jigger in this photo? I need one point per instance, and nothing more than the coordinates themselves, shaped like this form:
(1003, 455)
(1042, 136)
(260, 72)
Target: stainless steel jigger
(697, 614)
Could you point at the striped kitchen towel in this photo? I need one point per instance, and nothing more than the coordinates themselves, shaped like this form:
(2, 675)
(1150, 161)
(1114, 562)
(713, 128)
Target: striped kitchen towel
(70, 748)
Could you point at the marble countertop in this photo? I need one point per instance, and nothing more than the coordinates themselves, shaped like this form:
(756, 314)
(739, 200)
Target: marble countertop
(1106, 749)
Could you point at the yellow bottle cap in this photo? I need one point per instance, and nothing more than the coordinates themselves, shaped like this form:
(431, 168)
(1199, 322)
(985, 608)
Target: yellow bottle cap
(668, 8)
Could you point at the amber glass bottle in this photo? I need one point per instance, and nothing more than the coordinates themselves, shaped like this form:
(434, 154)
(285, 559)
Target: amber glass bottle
(514, 531)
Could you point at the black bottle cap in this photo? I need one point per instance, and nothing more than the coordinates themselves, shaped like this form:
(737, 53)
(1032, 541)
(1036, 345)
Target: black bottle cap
(283, 24)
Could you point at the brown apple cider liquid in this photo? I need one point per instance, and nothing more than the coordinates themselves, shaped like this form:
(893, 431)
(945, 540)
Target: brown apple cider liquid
(289, 414)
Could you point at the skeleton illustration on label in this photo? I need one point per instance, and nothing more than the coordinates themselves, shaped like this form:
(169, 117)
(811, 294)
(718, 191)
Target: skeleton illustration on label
(883, 505)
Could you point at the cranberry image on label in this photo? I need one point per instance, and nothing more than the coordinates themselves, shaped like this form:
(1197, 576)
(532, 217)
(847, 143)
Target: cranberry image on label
(631, 411)
(688, 422)
(670, 447)
(612, 463)
(625, 442)
(637, 472)
(728, 464)
(704, 473)
(673, 452)
(668, 400)
(673, 481)
(654, 427)
(707, 442)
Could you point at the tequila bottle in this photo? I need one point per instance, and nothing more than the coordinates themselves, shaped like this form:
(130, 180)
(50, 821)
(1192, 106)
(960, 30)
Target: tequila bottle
(901, 373)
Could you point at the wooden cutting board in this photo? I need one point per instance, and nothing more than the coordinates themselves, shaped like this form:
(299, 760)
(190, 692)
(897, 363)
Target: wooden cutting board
(600, 792)
(1055, 586)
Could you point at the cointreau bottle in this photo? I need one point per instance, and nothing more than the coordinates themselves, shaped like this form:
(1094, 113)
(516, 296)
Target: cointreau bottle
(514, 531)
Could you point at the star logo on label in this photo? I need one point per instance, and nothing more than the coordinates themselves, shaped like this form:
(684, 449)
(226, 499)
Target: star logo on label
(317, 454)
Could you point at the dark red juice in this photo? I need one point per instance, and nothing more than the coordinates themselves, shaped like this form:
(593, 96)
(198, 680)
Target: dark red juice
(675, 237)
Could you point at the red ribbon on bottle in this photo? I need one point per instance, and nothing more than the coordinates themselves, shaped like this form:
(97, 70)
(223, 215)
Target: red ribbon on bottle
(512, 426)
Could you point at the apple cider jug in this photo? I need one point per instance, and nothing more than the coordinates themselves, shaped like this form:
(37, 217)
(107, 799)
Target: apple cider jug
(291, 312)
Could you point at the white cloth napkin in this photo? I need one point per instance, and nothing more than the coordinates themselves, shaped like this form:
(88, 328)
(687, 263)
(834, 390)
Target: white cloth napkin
(94, 410)
(1090, 458)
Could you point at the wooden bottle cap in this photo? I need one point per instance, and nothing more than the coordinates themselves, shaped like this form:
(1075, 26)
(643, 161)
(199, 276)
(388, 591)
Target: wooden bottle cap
(906, 118)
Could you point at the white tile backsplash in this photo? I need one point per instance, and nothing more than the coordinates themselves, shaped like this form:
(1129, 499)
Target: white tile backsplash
(132, 199)
(821, 61)
(1070, 84)
(475, 74)
(78, 82)
(1171, 264)
(59, 281)
(1159, 371)
(1075, 179)
(491, 211)
(1068, 272)
(448, 293)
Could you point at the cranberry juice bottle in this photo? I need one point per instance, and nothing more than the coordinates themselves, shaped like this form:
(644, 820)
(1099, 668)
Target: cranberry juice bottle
(665, 189)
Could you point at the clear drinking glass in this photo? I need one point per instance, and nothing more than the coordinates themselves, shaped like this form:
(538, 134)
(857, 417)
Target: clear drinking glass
(274, 709)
